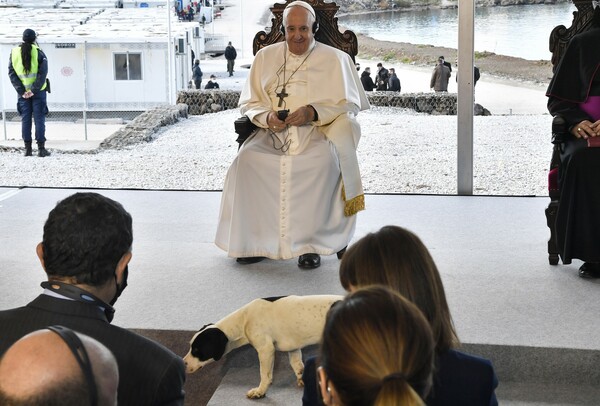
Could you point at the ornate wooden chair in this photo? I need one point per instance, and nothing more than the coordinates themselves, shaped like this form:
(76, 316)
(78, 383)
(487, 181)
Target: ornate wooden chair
(328, 33)
(559, 38)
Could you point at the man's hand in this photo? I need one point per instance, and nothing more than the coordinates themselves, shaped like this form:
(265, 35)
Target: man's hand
(586, 129)
(28, 94)
(275, 124)
(304, 115)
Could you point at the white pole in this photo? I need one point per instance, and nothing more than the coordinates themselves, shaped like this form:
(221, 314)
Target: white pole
(3, 107)
(242, 28)
(466, 23)
(171, 55)
(85, 96)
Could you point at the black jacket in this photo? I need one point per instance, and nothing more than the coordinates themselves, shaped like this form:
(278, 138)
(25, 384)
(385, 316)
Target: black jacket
(230, 52)
(367, 82)
(149, 374)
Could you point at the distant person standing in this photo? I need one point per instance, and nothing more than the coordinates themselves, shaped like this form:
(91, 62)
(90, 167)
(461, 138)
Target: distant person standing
(230, 55)
(383, 76)
(365, 79)
(440, 77)
(394, 82)
(27, 69)
(197, 74)
(212, 83)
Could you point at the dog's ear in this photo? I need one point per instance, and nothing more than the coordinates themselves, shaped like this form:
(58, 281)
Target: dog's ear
(208, 344)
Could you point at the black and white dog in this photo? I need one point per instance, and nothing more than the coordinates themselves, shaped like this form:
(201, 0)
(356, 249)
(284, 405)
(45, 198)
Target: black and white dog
(286, 323)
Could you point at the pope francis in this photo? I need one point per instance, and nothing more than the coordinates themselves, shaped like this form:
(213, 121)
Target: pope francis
(294, 188)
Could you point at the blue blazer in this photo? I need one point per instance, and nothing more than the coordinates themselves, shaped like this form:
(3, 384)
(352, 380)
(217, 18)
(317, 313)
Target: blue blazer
(460, 379)
(149, 374)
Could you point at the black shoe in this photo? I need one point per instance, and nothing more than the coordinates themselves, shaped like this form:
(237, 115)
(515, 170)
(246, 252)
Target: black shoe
(42, 152)
(341, 252)
(590, 270)
(309, 261)
(28, 151)
(249, 260)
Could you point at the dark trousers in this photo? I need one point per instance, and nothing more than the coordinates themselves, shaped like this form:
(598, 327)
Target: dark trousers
(230, 63)
(34, 107)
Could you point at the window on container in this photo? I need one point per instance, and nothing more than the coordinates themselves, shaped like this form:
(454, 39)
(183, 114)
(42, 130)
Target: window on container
(128, 66)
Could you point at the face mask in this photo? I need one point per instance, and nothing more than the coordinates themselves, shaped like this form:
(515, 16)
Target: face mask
(121, 287)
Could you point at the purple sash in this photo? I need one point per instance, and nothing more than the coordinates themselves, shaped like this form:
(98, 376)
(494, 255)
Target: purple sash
(592, 107)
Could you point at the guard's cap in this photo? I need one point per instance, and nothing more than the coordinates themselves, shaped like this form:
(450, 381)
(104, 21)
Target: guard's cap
(29, 35)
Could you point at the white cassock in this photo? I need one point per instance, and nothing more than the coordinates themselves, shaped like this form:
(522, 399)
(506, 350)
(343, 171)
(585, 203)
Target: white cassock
(298, 190)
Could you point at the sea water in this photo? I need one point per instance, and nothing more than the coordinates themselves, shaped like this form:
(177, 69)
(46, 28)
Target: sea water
(521, 31)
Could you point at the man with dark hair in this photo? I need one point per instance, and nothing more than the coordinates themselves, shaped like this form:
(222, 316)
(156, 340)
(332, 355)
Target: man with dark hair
(440, 77)
(382, 77)
(42, 369)
(212, 83)
(394, 81)
(85, 251)
(365, 79)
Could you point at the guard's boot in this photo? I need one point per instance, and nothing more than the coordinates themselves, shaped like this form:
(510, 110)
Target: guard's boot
(27, 148)
(42, 151)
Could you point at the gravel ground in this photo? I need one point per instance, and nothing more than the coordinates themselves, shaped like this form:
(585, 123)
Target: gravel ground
(400, 152)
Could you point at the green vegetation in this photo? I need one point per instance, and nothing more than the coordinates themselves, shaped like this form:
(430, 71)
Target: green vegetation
(390, 56)
(484, 54)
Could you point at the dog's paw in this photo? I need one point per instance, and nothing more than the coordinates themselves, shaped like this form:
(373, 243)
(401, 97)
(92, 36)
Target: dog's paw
(255, 393)
(300, 382)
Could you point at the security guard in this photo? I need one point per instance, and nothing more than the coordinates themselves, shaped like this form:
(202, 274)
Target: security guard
(28, 68)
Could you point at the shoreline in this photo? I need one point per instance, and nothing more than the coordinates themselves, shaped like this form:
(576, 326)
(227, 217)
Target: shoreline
(536, 73)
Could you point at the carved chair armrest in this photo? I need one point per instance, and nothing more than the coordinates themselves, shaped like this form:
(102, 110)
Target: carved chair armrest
(243, 128)
(560, 129)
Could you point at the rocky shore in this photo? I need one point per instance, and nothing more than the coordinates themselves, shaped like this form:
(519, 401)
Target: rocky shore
(538, 72)
(362, 6)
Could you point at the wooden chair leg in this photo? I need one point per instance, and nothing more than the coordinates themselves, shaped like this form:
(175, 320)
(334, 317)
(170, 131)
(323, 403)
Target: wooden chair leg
(550, 221)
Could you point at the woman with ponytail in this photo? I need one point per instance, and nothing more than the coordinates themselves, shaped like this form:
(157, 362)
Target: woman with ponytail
(27, 69)
(574, 94)
(377, 349)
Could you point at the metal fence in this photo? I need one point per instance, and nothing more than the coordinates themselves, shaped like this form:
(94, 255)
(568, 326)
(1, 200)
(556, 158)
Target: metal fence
(211, 101)
(91, 104)
(70, 125)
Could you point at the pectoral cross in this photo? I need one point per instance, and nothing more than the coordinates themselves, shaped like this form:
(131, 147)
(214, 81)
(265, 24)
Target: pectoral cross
(282, 95)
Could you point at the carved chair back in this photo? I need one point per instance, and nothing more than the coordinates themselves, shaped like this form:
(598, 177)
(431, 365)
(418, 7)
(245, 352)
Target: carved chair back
(328, 32)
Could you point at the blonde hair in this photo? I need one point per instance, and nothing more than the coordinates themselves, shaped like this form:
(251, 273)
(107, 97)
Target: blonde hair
(377, 349)
(397, 258)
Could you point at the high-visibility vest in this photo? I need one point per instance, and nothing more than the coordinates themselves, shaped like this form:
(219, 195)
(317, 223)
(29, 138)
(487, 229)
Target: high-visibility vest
(17, 62)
